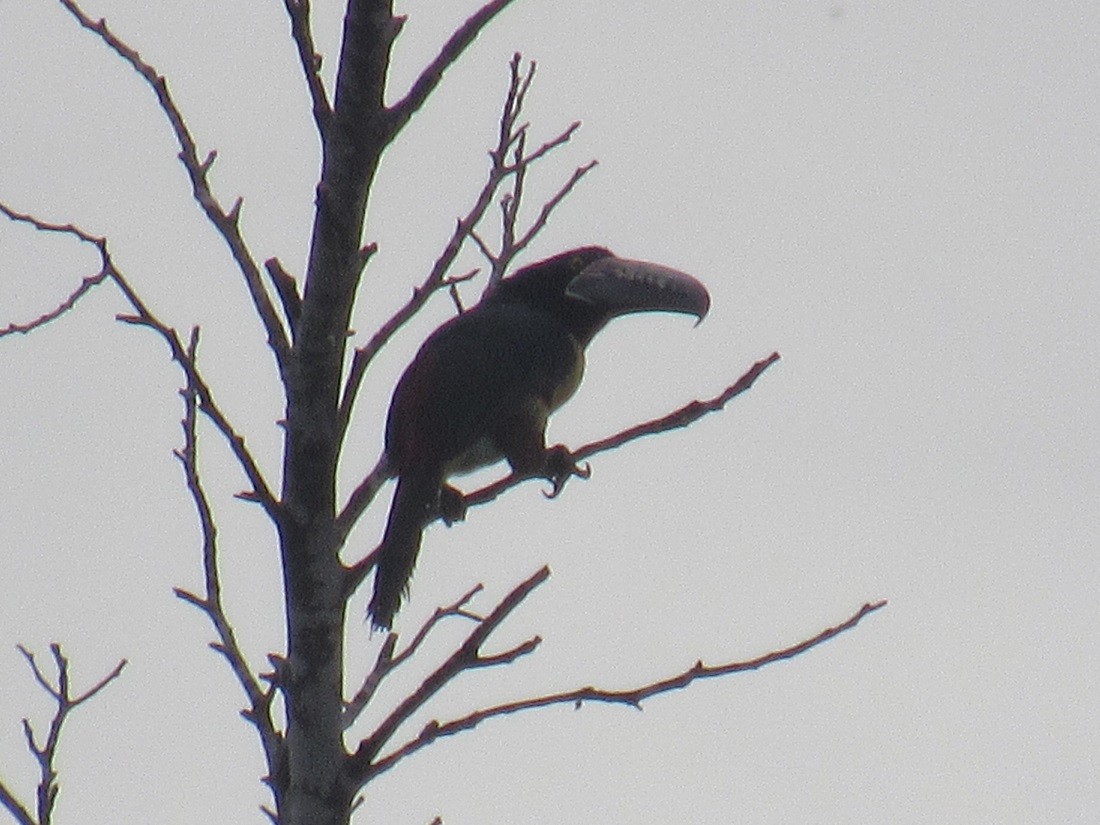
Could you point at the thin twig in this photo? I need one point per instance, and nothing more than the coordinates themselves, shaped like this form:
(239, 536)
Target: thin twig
(143, 316)
(554, 142)
(386, 661)
(632, 697)
(70, 301)
(466, 657)
(362, 496)
(548, 207)
(302, 33)
(259, 711)
(432, 74)
(45, 753)
(226, 223)
(86, 285)
(510, 247)
(287, 289)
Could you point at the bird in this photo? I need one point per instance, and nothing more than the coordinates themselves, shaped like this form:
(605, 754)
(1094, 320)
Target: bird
(483, 385)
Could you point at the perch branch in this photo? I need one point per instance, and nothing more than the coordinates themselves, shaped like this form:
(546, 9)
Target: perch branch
(682, 417)
(632, 697)
(676, 419)
(226, 223)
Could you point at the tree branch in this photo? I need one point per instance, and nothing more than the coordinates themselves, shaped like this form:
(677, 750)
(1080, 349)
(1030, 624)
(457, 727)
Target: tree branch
(227, 224)
(430, 78)
(14, 806)
(302, 33)
(85, 287)
(466, 657)
(682, 417)
(259, 711)
(287, 289)
(144, 317)
(510, 247)
(46, 752)
(361, 497)
(548, 207)
(387, 662)
(632, 697)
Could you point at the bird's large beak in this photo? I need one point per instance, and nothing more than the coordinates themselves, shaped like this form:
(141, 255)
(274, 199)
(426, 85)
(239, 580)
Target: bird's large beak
(622, 286)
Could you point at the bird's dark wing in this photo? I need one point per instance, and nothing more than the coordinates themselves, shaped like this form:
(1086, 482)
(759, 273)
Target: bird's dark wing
(475, 380)
(483, 385)
(480, 389)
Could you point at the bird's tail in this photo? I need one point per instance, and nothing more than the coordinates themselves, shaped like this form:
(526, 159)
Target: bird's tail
(409, 513)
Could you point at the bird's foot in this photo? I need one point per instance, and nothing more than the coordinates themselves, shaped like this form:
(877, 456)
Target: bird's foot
(452, 505)
(560, 466)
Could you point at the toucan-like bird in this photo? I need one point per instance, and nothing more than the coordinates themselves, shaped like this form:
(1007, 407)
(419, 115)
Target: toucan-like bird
(483, 385)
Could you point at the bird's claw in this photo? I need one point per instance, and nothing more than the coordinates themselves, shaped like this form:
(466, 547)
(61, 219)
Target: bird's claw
(452, 505)
(560, 466)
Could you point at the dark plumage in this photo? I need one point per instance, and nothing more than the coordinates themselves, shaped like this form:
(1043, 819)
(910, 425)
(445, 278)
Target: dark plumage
(483, 385)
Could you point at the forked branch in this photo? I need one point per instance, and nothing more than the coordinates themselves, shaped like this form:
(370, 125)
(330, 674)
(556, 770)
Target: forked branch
(632, 697)
(467, 657)
(45, 750)
(211, 603)
(143, 316)
(388, 660)
(227, 223)
(70, 301)
(512, 240)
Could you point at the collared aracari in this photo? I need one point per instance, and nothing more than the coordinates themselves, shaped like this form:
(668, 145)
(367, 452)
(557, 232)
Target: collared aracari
(483, 385)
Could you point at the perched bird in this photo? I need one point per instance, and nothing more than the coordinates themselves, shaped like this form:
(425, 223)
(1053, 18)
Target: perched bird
(483, 385)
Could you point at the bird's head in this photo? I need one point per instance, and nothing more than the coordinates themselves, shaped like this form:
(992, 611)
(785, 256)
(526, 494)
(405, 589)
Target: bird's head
(589, 286)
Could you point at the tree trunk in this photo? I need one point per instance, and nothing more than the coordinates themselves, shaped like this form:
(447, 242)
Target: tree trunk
(315, 786)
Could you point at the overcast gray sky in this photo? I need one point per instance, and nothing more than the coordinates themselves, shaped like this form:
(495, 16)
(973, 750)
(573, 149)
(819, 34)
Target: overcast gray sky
(900, 198)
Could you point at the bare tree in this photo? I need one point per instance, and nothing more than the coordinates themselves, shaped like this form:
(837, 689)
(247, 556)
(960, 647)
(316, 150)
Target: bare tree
(297, 706)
